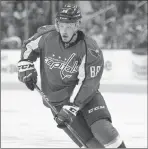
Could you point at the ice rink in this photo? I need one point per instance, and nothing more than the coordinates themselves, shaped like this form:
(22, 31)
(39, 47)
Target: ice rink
(26, 123)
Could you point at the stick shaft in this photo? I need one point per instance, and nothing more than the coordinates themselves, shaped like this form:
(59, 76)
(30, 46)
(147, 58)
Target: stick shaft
(45, 98)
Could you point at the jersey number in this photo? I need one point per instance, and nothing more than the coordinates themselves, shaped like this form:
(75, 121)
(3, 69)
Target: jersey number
(94, 70)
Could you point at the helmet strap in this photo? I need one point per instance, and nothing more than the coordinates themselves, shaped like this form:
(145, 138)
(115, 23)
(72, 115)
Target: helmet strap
(71, 41)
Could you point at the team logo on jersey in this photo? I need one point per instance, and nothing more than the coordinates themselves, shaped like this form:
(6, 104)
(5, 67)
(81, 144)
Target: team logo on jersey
(94, 53)
(66, 70)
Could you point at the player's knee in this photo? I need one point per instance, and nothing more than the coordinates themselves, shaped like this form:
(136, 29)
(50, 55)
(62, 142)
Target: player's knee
(104, 132)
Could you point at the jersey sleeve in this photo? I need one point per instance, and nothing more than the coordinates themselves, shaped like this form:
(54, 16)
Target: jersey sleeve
(90, 73)
(31, 50)
(32, 46)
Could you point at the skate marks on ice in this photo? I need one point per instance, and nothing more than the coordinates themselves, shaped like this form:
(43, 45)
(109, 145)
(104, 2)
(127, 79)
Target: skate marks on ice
(26, 123)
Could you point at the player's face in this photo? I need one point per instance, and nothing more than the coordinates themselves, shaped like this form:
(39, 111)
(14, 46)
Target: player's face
(67, 30)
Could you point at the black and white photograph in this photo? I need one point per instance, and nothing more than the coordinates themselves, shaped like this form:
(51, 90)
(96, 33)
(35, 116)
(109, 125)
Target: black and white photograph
(73, 74)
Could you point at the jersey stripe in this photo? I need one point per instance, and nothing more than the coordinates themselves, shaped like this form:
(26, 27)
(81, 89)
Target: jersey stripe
(81, 77)
(31, 46)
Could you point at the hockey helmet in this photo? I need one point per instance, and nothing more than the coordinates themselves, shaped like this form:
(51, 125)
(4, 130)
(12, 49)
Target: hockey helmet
(69, 14)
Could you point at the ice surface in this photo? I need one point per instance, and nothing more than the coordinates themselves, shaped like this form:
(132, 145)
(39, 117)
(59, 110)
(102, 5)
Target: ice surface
(26, 123)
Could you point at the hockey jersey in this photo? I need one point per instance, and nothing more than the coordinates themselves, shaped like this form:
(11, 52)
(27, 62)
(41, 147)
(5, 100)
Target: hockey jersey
(72, 73)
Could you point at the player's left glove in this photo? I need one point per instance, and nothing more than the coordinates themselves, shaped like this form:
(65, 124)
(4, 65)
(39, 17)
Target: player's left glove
(66, 114)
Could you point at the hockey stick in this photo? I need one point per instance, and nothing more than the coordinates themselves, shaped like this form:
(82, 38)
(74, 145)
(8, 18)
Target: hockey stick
(45, 98)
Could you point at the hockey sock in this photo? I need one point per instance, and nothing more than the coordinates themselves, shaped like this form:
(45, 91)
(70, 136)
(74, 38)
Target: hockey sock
(93, 143)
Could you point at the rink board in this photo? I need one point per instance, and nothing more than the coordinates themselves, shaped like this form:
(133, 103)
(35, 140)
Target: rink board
(112, 87)
(25, 122)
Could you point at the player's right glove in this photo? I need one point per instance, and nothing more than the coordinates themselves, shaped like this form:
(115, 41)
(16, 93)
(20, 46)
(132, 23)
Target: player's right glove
(27, 73)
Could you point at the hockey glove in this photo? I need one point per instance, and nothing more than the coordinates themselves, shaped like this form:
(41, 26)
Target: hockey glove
(27, 73)
(66, 115)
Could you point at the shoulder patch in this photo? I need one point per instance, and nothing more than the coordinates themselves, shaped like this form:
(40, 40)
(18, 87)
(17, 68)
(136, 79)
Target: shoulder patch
(94, 53)
(93, 47)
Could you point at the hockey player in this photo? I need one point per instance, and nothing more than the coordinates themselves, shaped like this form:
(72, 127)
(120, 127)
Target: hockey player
(71, 66)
